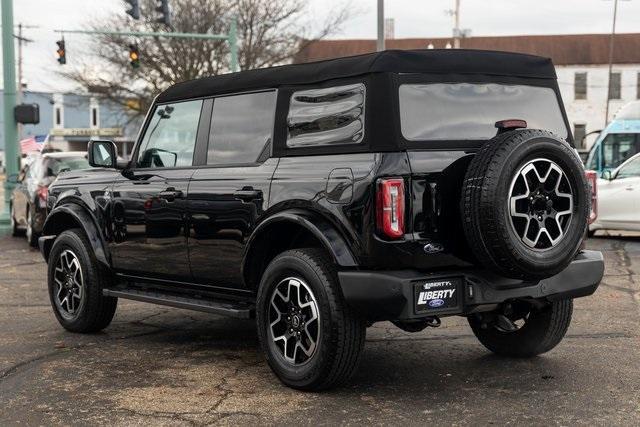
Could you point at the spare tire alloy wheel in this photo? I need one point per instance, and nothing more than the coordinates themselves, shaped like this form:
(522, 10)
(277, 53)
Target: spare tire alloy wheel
(525, 204)
(69, 284)
(294, 320)
(540, 204)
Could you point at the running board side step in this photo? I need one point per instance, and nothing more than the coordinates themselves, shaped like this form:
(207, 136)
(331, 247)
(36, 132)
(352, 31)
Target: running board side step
(239, 310)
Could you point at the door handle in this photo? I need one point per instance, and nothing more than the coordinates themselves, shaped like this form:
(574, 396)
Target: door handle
(170, 194)
(629, 188)
(248, 194)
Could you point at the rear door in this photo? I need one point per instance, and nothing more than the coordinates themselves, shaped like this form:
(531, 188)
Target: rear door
(228, 196)
(148, 210)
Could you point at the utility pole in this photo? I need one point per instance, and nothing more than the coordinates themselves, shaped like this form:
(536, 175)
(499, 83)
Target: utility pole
(611, 45)
(21, 40)
(456, 26)
(380, 45)
(10, 129)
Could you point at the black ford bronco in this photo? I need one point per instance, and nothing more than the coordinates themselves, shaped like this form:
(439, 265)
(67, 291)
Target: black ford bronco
(319, 198)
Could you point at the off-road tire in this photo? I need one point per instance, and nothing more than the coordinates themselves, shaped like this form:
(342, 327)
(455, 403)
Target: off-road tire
(544, 330)
(484, 205)
(97, 310)
(342, 330)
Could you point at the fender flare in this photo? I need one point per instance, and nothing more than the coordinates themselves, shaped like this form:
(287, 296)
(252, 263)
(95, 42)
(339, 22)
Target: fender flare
(83, 219)
(326, 233)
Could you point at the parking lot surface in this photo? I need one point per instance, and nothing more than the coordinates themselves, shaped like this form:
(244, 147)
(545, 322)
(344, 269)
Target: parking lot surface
(164, 366)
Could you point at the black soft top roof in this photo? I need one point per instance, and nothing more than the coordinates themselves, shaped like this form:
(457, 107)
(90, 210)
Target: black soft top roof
(429, 61)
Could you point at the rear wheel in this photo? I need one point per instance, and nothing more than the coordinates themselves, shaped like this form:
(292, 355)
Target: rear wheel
(312, 340)
(76, 280)
(538, 330)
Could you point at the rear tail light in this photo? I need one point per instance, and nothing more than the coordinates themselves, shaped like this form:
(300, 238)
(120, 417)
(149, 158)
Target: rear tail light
(390, 207)
(592, 179)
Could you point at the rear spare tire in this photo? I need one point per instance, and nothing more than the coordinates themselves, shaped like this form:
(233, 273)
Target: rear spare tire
(525, 204)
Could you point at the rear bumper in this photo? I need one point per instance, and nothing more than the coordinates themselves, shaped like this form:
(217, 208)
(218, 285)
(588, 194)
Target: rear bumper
(390, 295)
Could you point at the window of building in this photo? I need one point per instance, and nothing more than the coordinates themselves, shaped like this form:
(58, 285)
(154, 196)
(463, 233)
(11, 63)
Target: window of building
(579, 131)
(326, 116)
(57, 120)
(170, 137)
(580, 86)
(615, 86)
(241, 127)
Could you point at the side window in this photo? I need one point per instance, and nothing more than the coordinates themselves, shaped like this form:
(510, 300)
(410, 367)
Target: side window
(170, 138)
(630, 169)
(579, 131)
(327, 116)
(241, 127)
(580, 86)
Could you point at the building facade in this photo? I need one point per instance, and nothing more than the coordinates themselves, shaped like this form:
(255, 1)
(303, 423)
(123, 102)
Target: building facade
(71, 120)
(581, 60)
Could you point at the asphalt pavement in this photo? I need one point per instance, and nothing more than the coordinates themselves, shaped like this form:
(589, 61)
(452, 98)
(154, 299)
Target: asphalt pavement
(162, 366)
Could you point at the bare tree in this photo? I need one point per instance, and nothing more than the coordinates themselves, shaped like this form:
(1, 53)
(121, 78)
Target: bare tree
(270, 32)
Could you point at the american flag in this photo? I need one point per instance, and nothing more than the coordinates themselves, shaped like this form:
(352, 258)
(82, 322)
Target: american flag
(33, 143)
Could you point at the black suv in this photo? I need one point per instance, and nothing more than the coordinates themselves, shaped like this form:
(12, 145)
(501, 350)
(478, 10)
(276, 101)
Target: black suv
(320, 198)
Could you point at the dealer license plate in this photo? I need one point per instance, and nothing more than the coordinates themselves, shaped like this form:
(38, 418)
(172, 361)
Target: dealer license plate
(437, 294)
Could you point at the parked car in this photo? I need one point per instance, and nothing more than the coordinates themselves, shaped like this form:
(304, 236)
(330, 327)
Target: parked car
(29, 197)
(618, 142)
(320, 198)
(619, 198)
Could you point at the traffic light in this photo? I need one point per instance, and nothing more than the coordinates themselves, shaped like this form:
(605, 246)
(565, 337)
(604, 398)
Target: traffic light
(134, 55)
(135, 9)
(62, 53)
(165, 13)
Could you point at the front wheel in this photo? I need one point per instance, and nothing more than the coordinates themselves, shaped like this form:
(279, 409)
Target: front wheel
(31, 234)
(15, 230)
(311, 338)
(538, 330)
(76, 280)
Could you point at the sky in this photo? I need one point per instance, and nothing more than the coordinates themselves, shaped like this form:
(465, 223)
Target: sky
(413, 18)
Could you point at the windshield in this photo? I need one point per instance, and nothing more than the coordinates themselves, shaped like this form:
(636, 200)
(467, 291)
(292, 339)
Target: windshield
(614, 150)
(630, 111)
(53, 167)
(468, 111)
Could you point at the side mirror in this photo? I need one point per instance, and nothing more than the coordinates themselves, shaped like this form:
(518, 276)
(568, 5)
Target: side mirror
(13, 179)
(607, 174)
(102, 154)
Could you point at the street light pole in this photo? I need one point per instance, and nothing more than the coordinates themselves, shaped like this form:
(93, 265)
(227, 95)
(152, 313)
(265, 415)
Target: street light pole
(10, 128)
(380, 45)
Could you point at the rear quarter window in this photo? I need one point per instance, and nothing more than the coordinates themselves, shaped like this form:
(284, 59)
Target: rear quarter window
(326, 116)
(468, 111)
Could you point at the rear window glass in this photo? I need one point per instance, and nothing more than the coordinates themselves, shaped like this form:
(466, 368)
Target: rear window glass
(468, 111)
(326, 116)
